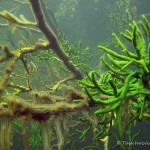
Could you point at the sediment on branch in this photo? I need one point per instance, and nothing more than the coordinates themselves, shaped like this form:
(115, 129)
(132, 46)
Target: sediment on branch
(17, 107)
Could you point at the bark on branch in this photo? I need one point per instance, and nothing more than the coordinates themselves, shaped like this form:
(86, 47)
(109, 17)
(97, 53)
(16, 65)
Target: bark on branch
(52, 38)
(16, 107)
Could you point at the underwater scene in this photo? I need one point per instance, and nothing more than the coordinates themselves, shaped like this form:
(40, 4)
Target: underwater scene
(74, 74)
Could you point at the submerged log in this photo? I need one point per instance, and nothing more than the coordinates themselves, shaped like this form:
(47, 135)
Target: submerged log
(17, 107)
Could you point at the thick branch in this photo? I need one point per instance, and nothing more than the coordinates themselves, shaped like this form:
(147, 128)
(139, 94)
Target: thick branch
(51, 37)
(16, 107)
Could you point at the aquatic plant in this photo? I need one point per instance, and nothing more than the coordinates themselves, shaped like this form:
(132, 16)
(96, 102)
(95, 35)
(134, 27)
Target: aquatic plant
(122, 13)
(120, 96)
(123, 93)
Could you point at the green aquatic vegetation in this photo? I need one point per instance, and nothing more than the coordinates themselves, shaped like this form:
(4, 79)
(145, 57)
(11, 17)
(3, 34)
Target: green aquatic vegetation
(51, 100)
(124, 90)
(122, 13)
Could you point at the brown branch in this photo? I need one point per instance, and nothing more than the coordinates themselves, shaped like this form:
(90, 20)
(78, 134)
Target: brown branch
(47, 31)
(52, 38)
(16, 107)
(7, 53)
(18, 53)
(44, 105)
(13, 57)
(46, 97)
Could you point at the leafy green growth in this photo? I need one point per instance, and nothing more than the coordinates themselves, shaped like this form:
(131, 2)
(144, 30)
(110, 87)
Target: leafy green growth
(123, 94)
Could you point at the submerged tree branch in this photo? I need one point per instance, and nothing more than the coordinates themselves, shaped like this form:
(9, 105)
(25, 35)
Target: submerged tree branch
(52, 38)
(17, 107)
(13, 19)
